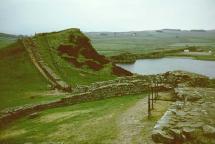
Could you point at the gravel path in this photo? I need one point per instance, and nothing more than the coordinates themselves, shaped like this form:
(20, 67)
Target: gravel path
(131, 124)
(134, 125)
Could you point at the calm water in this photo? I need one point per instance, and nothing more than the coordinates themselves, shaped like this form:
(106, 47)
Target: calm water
(156, 66)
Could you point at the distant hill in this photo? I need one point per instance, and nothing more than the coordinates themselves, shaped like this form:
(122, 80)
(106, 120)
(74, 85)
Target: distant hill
(6, 39)
(171, 29)
(9, 35)
(114, 43)
(201, 30)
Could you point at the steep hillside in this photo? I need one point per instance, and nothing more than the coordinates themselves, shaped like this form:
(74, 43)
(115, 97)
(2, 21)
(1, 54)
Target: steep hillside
(71, 56)
(68, 54)
(20, 82)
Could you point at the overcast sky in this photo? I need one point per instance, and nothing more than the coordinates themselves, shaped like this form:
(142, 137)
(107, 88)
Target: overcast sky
(30, 16)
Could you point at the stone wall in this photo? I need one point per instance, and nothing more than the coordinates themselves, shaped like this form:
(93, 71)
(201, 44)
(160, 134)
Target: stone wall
(188, 120)
(42, 67)
(121, 86)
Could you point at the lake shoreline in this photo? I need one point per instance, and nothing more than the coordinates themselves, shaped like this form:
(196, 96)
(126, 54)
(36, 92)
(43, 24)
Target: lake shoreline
(178, 52)
(161, 65)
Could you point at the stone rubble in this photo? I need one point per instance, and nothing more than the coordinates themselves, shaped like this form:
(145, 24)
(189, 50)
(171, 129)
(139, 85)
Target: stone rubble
(189, 120)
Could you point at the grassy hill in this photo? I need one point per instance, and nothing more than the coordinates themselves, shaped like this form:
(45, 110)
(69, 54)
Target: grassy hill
(20, 82)
(68, 53)
(114, 43)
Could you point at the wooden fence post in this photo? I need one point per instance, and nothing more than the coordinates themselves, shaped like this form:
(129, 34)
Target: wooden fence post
(152, 99)
(149, 103)
(156, 85)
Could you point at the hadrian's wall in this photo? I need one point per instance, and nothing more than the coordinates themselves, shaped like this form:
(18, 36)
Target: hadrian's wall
(120, 87)
(189, 120)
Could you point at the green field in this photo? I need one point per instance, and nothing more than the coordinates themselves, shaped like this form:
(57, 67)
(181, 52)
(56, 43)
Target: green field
(110, 43)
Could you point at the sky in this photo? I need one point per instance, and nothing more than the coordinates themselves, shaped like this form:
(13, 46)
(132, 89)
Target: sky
(34, 16)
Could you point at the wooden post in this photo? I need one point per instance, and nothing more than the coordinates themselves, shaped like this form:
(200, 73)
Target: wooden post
(152, 96)
(157, 89)
(149, 103)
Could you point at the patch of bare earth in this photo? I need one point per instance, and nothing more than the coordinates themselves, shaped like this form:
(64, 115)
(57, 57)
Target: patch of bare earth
(60, 116)
(12, 133)
(134, 125)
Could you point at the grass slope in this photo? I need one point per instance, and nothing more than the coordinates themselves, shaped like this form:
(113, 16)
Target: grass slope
(48, 44)
(91, 122)
(20, 82)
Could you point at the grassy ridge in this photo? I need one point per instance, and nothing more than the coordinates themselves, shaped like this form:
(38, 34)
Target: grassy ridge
(20, 82)
(48, 45)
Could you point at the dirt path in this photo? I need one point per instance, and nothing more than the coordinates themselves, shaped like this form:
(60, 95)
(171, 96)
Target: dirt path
(134, 126)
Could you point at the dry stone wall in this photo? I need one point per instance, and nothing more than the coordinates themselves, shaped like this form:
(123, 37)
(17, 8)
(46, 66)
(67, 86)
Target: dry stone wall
(189, 120)
(43, 68)
(121, 86)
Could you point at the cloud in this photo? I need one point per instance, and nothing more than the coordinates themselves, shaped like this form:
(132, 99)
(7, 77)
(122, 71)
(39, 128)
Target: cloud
(29, 16)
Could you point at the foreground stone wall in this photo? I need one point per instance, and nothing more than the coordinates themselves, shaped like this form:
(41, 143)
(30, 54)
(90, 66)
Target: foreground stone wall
(122, 86)
(189, 120)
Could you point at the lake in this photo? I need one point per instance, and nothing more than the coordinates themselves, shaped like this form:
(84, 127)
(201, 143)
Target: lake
(162, 65)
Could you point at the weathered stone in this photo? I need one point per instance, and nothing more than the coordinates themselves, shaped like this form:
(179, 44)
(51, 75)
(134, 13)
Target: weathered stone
(193, 113)
(179, 105)
(190, 121)
(190, 132)
(181, 124)
(187, 130)
(209, 130)
(181, 113)
(164, 121)
(162, 137)
(33, 115)
(197, 124)
(174, 111)
(176, 133)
